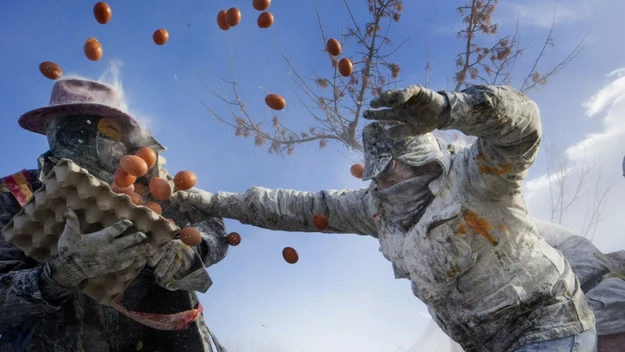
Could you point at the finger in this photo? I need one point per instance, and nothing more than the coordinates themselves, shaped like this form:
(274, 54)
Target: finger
(134, 253)
(155, 258)
(164, 264)
(405, 130)
(72, 224)
(389, 98)
(382, 115)
(174, 268)
(126, 241)
(189, 195)
(117, 229)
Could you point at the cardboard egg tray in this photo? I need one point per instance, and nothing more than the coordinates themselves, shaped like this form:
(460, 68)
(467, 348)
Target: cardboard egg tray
(37, 227)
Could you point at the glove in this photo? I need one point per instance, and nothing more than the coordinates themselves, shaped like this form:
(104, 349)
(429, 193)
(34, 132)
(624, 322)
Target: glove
(194, 198)
(82, 256)
(616, 268)
(172, 262)
(418, 107)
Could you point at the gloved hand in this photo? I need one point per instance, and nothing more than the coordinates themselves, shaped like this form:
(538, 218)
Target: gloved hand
(172, 262)
(418, 107)
(82, 256)
(194, 198)
(616, 267)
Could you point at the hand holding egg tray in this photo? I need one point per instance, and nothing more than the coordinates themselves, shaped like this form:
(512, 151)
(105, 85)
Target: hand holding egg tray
(37, 227)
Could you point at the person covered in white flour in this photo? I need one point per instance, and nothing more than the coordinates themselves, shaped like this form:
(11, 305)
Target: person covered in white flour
(453, 222)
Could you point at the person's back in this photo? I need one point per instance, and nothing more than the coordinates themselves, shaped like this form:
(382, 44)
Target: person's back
(602, 278)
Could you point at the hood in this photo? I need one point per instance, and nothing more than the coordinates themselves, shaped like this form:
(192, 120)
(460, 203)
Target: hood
(416, 151)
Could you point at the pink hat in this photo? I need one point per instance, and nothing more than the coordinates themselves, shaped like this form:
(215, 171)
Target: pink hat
(78, 97)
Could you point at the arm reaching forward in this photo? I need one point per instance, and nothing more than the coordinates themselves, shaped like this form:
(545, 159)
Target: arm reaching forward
(348, 211)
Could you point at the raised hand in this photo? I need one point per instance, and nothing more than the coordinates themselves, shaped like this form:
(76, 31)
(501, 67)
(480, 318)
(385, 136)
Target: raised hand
(419, 108)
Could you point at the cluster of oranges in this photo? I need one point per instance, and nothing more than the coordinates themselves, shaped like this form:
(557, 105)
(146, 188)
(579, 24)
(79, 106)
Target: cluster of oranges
(134, 166)
(92, 47)
(232, 17)
(125, 182)
(334, 48)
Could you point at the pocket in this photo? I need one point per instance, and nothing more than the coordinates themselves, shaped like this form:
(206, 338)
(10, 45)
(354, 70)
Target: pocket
(448, 250)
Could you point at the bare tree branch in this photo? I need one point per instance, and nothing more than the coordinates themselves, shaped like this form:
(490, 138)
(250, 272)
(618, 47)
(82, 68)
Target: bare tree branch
(334, 104)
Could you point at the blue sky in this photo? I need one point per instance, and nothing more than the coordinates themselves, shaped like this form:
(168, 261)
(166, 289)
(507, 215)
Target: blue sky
(341, 295)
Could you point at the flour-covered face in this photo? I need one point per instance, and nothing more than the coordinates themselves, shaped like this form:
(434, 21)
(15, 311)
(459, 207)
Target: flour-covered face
(398, 171)
(93, 142)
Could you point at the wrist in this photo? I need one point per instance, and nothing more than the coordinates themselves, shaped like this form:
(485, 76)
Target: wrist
(65, 273)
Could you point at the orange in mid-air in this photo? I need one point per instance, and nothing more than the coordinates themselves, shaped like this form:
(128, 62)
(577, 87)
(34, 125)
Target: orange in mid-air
(261, 5)
(133, 165)
(148, 155)
(102, 12)
(160, 188)
(123, 179)
(357, 170)
(265, 20)
(50, 70)
(160, 36)
(233, 17)
(221, 20)
(233, 239)
(185, 180)
(290, 255)
(334, 47)
(190, 236)
(345, 67)
(275, 101)
(320, 222)
(93, 49)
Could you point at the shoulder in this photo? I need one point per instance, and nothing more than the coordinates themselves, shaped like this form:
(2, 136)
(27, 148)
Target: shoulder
(18, 187)
(15, 190)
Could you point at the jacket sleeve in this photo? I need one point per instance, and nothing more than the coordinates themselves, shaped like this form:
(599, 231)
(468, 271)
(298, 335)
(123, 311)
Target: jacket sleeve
(213, 230)
(507, 124)
(348, 211)
(581, 254)
(26, 290)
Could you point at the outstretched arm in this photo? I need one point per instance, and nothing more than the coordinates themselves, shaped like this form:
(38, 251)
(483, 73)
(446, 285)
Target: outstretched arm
(348, 211)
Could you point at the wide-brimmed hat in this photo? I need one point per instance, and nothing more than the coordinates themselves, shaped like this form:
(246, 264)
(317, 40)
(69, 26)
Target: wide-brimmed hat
(72, 97)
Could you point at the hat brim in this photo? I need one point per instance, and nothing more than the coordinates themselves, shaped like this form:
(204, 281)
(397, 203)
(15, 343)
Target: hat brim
(37, 120)
(375, 166)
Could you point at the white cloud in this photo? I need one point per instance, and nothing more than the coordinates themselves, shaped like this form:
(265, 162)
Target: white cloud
(609, 95)
(602, 153)
(540, 13)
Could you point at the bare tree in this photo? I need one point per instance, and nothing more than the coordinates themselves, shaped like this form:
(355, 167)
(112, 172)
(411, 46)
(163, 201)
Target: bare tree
(570, 185)
(335, 103)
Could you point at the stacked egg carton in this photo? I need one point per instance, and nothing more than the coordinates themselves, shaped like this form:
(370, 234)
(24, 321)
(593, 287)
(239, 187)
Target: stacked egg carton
(38, 226)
